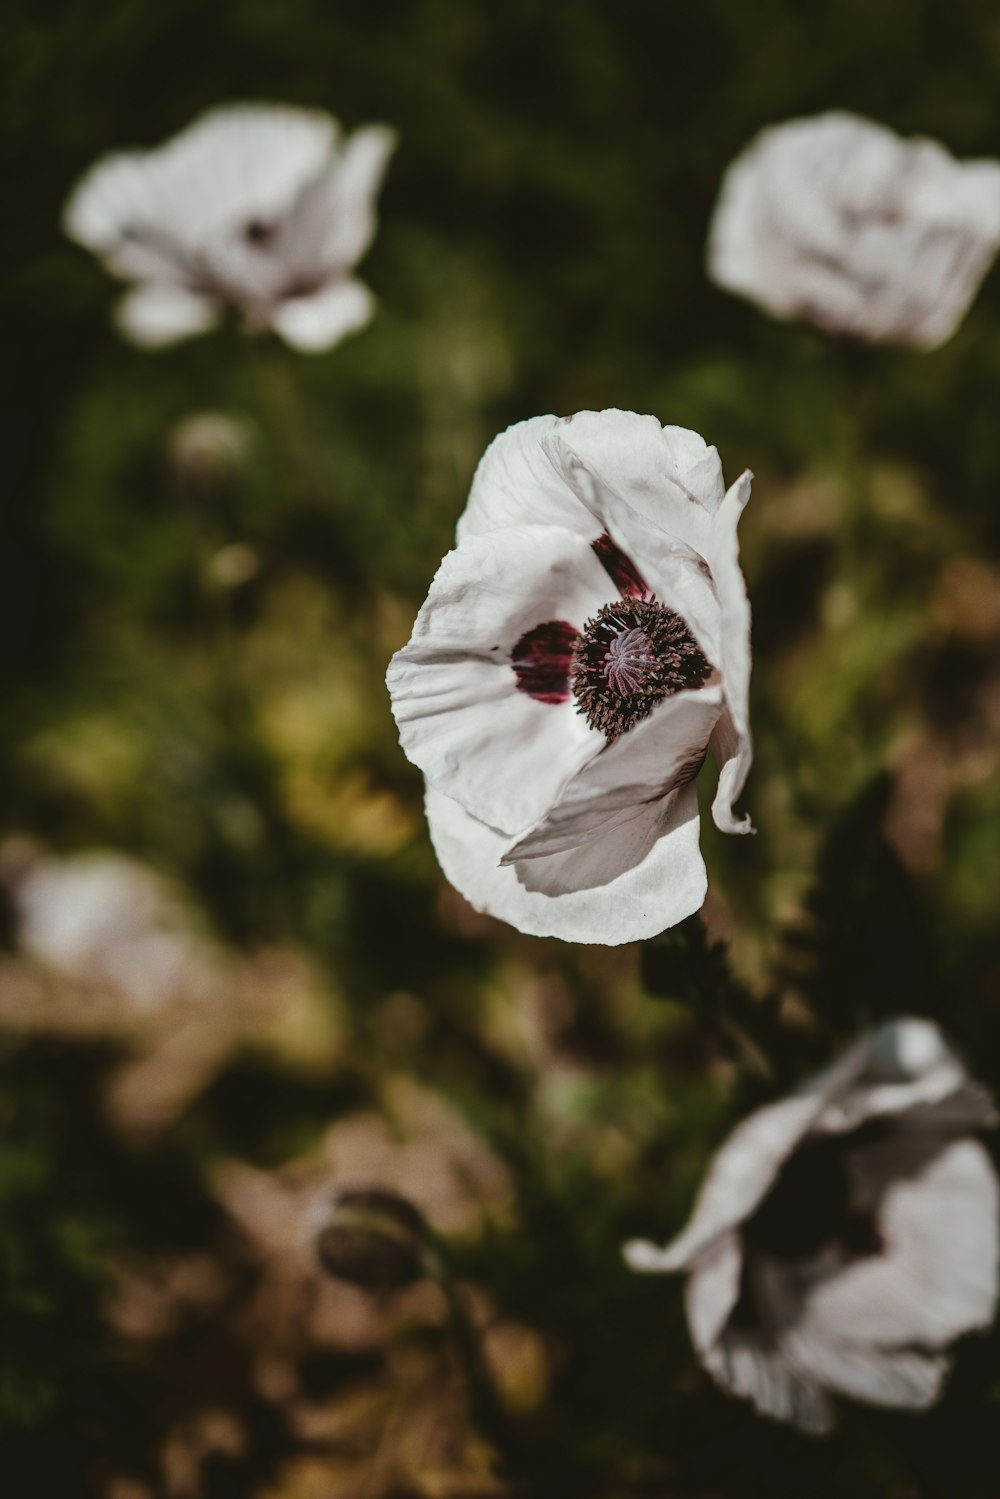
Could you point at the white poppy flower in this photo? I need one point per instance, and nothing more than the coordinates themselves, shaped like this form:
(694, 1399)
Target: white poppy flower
(845, 1236)
(578, 652)
(838, 220)
(259, 207)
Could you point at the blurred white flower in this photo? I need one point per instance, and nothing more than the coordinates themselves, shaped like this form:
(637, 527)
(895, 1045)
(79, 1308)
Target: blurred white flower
(106, 921)
(577, 654)
(838, 220)
(208, 448)
(845, 1236)
(260, 207)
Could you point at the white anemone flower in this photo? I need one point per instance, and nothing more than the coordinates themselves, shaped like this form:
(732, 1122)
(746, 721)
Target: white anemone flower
(259, 207)
(845, 1236)
(579, 651)
(838, 220)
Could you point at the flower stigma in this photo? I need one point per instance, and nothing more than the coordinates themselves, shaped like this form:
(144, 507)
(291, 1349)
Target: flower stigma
(630, 656)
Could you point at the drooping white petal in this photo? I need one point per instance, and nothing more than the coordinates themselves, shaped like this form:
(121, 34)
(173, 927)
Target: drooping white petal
(315, 323)
(640, 768)
(732, 743)
(501, 754)
(155, 314)
(667, 477)
(626, 884)
(743, 1170)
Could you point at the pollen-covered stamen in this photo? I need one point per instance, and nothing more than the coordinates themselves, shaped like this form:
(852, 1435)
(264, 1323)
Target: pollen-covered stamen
(629, 661)
(631, 655)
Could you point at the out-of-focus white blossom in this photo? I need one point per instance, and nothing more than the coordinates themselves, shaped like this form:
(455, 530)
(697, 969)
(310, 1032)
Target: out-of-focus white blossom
(837, 220)
(260, 207)
(845, 1236)
(579, 651)
(107, 922)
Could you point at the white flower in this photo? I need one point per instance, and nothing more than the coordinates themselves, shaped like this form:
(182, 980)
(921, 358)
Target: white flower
(578, 652)
(838, 220)
(106, 921)
(845, 1236)
(260, 207)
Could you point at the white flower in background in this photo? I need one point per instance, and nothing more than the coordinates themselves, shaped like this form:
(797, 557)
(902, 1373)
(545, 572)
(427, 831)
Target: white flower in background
(838, 220)
(845, 1236)
(578, 653)
(259, 207)
(107, 922)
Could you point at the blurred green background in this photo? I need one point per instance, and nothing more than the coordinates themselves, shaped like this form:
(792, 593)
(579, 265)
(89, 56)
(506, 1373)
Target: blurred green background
(209, 554)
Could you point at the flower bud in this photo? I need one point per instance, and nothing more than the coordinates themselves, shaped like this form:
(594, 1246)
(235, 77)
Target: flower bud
(375, 1239)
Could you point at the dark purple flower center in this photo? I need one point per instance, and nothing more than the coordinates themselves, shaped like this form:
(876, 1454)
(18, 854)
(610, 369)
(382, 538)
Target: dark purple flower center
(632, 655)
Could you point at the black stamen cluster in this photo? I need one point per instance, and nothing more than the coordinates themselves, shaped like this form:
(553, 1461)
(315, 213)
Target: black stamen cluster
(679, 663)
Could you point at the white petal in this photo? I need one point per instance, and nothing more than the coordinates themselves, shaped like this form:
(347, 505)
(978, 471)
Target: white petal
(763, 1374)
(712, 1291)
(152, 315)
(677, 574)
(732, 743)
(904, 1378)
(668, 476)
(315, 323)
(905, 1067)
(937, 1277)
(841, 221)
(186, 202)
(515, 484)
(628, 884)
(358, 176)
(640, 768)
(462, 719)
(741, 1174)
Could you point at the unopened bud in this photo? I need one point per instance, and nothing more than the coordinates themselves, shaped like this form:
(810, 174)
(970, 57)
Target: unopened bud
(375, 1239)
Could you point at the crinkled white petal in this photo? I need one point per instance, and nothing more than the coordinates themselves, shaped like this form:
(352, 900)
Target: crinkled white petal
(937, 1277)
(318, 322)
(628, 883)
(153, 315)
(500, 753)
(838, 220)
(640, 768)
(668, 476)
(515, 484)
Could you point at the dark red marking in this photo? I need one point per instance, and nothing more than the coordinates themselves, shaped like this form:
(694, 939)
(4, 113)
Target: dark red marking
(620, 569)
(542, 660)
